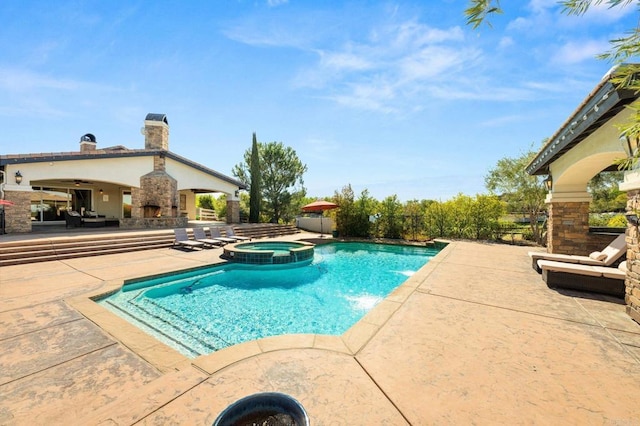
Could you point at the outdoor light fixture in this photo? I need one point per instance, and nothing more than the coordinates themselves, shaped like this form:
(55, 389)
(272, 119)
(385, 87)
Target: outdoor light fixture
(237, 193)
(18, 177)
(548, 183)
(629, 144)
(101, 191)
(632, 218)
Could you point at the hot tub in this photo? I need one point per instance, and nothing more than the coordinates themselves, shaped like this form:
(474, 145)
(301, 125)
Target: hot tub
(269, 252)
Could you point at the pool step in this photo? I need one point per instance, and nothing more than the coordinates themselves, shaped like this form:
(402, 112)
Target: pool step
(96, 244)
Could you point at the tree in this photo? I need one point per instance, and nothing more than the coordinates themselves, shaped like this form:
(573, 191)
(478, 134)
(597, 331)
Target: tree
(281, 177)
(391, 219)
(607, 198)
(523, 192)
(254, 189)
(205, 201)
(352, 218)
(622, 49)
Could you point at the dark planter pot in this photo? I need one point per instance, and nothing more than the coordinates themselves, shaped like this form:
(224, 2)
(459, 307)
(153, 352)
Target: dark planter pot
(268, 408)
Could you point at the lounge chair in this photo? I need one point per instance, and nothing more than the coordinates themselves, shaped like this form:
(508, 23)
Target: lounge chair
(574, 276)
(201, 236)
(215, 234)
(182, 239)
(72, 219)
(607, 257)
(231, 234)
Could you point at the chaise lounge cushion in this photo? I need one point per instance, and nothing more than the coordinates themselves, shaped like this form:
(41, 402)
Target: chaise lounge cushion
(613, 252)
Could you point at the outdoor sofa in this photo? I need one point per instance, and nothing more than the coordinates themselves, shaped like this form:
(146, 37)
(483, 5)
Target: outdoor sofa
(607, 257)
(588, 278)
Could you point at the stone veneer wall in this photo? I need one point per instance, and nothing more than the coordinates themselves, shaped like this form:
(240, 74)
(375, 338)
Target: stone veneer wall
(154, 222)
(568, 228)
(17, 218)
(632, 293)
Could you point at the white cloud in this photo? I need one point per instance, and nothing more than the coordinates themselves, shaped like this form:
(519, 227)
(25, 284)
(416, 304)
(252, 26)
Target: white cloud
(17, 80)
(602, 13)
(389, 70)
(520, 24)
(275, 3)
(506, 42)
(574, 52)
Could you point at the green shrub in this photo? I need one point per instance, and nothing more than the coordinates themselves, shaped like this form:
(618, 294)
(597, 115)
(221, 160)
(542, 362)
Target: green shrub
(617, 221)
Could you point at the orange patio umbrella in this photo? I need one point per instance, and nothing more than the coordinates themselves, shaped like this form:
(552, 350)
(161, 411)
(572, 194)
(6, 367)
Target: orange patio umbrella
(319, 206)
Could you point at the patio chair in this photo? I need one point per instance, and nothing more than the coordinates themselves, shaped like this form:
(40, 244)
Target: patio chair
(201, 236)
(231, 234)
(215, 234)
(607, 257)
(72, 219)
(588, 278)
(182, 239)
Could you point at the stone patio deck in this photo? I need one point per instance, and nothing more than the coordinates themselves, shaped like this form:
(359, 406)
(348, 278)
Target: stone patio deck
(475, 337)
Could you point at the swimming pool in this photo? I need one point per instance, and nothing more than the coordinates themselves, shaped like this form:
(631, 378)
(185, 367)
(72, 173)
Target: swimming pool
(204, 310)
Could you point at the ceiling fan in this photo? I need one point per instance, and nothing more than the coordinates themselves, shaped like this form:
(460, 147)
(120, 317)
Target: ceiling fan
(77, 182)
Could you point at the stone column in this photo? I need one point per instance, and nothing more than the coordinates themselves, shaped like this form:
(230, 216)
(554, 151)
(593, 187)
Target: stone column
(631, 184)
(17, 218)
(568, 224)
(233, 209)
(568, 227)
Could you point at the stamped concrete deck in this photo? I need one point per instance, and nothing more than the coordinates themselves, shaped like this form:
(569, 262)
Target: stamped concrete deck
(475, 337)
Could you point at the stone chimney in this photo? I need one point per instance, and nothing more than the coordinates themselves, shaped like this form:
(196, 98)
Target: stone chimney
(156, 132)
(87, 143)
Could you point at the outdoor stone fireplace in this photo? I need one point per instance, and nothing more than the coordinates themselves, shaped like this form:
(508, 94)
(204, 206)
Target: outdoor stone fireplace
(155, 203)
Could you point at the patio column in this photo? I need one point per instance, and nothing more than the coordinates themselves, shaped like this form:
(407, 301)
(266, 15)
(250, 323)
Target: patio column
(17, 218)
(233, 208)
(568, 224)
(631, 185)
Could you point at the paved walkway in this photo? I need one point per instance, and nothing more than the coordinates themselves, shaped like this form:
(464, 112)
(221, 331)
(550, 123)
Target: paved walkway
(475, 337)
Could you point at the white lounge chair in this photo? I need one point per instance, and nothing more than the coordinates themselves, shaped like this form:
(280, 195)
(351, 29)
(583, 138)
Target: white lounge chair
(215, 233)
(589, 278)
(231, 234)
(607, 257)
(201, 236)
(182, 239)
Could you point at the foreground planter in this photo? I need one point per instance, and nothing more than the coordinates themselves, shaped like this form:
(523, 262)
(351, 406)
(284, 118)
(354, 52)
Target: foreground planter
(265, 409)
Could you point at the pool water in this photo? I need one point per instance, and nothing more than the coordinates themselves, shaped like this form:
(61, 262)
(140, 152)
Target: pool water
(202, 311)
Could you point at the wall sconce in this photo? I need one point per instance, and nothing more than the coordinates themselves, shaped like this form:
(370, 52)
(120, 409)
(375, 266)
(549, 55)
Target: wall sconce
(101, 191)
(237, 192)
(548, 183)
(18, 177)
(632, 218)
(629, 144)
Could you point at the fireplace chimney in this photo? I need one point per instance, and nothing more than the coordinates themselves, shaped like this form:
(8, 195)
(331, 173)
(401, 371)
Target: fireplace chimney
(87, 143)
(156, 132)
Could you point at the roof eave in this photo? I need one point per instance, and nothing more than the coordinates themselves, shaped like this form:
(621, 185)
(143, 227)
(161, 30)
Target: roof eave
(602, 104)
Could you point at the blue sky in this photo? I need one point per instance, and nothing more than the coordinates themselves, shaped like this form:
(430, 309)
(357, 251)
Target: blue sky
(394, 97)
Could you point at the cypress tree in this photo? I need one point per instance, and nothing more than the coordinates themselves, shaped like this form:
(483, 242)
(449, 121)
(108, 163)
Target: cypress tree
(254, 190)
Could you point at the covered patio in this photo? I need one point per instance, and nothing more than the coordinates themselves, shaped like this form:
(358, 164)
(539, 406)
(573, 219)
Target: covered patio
(131, 188)
(590, 142)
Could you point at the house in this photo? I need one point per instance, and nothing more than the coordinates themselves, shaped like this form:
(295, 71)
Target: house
(133, 188)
